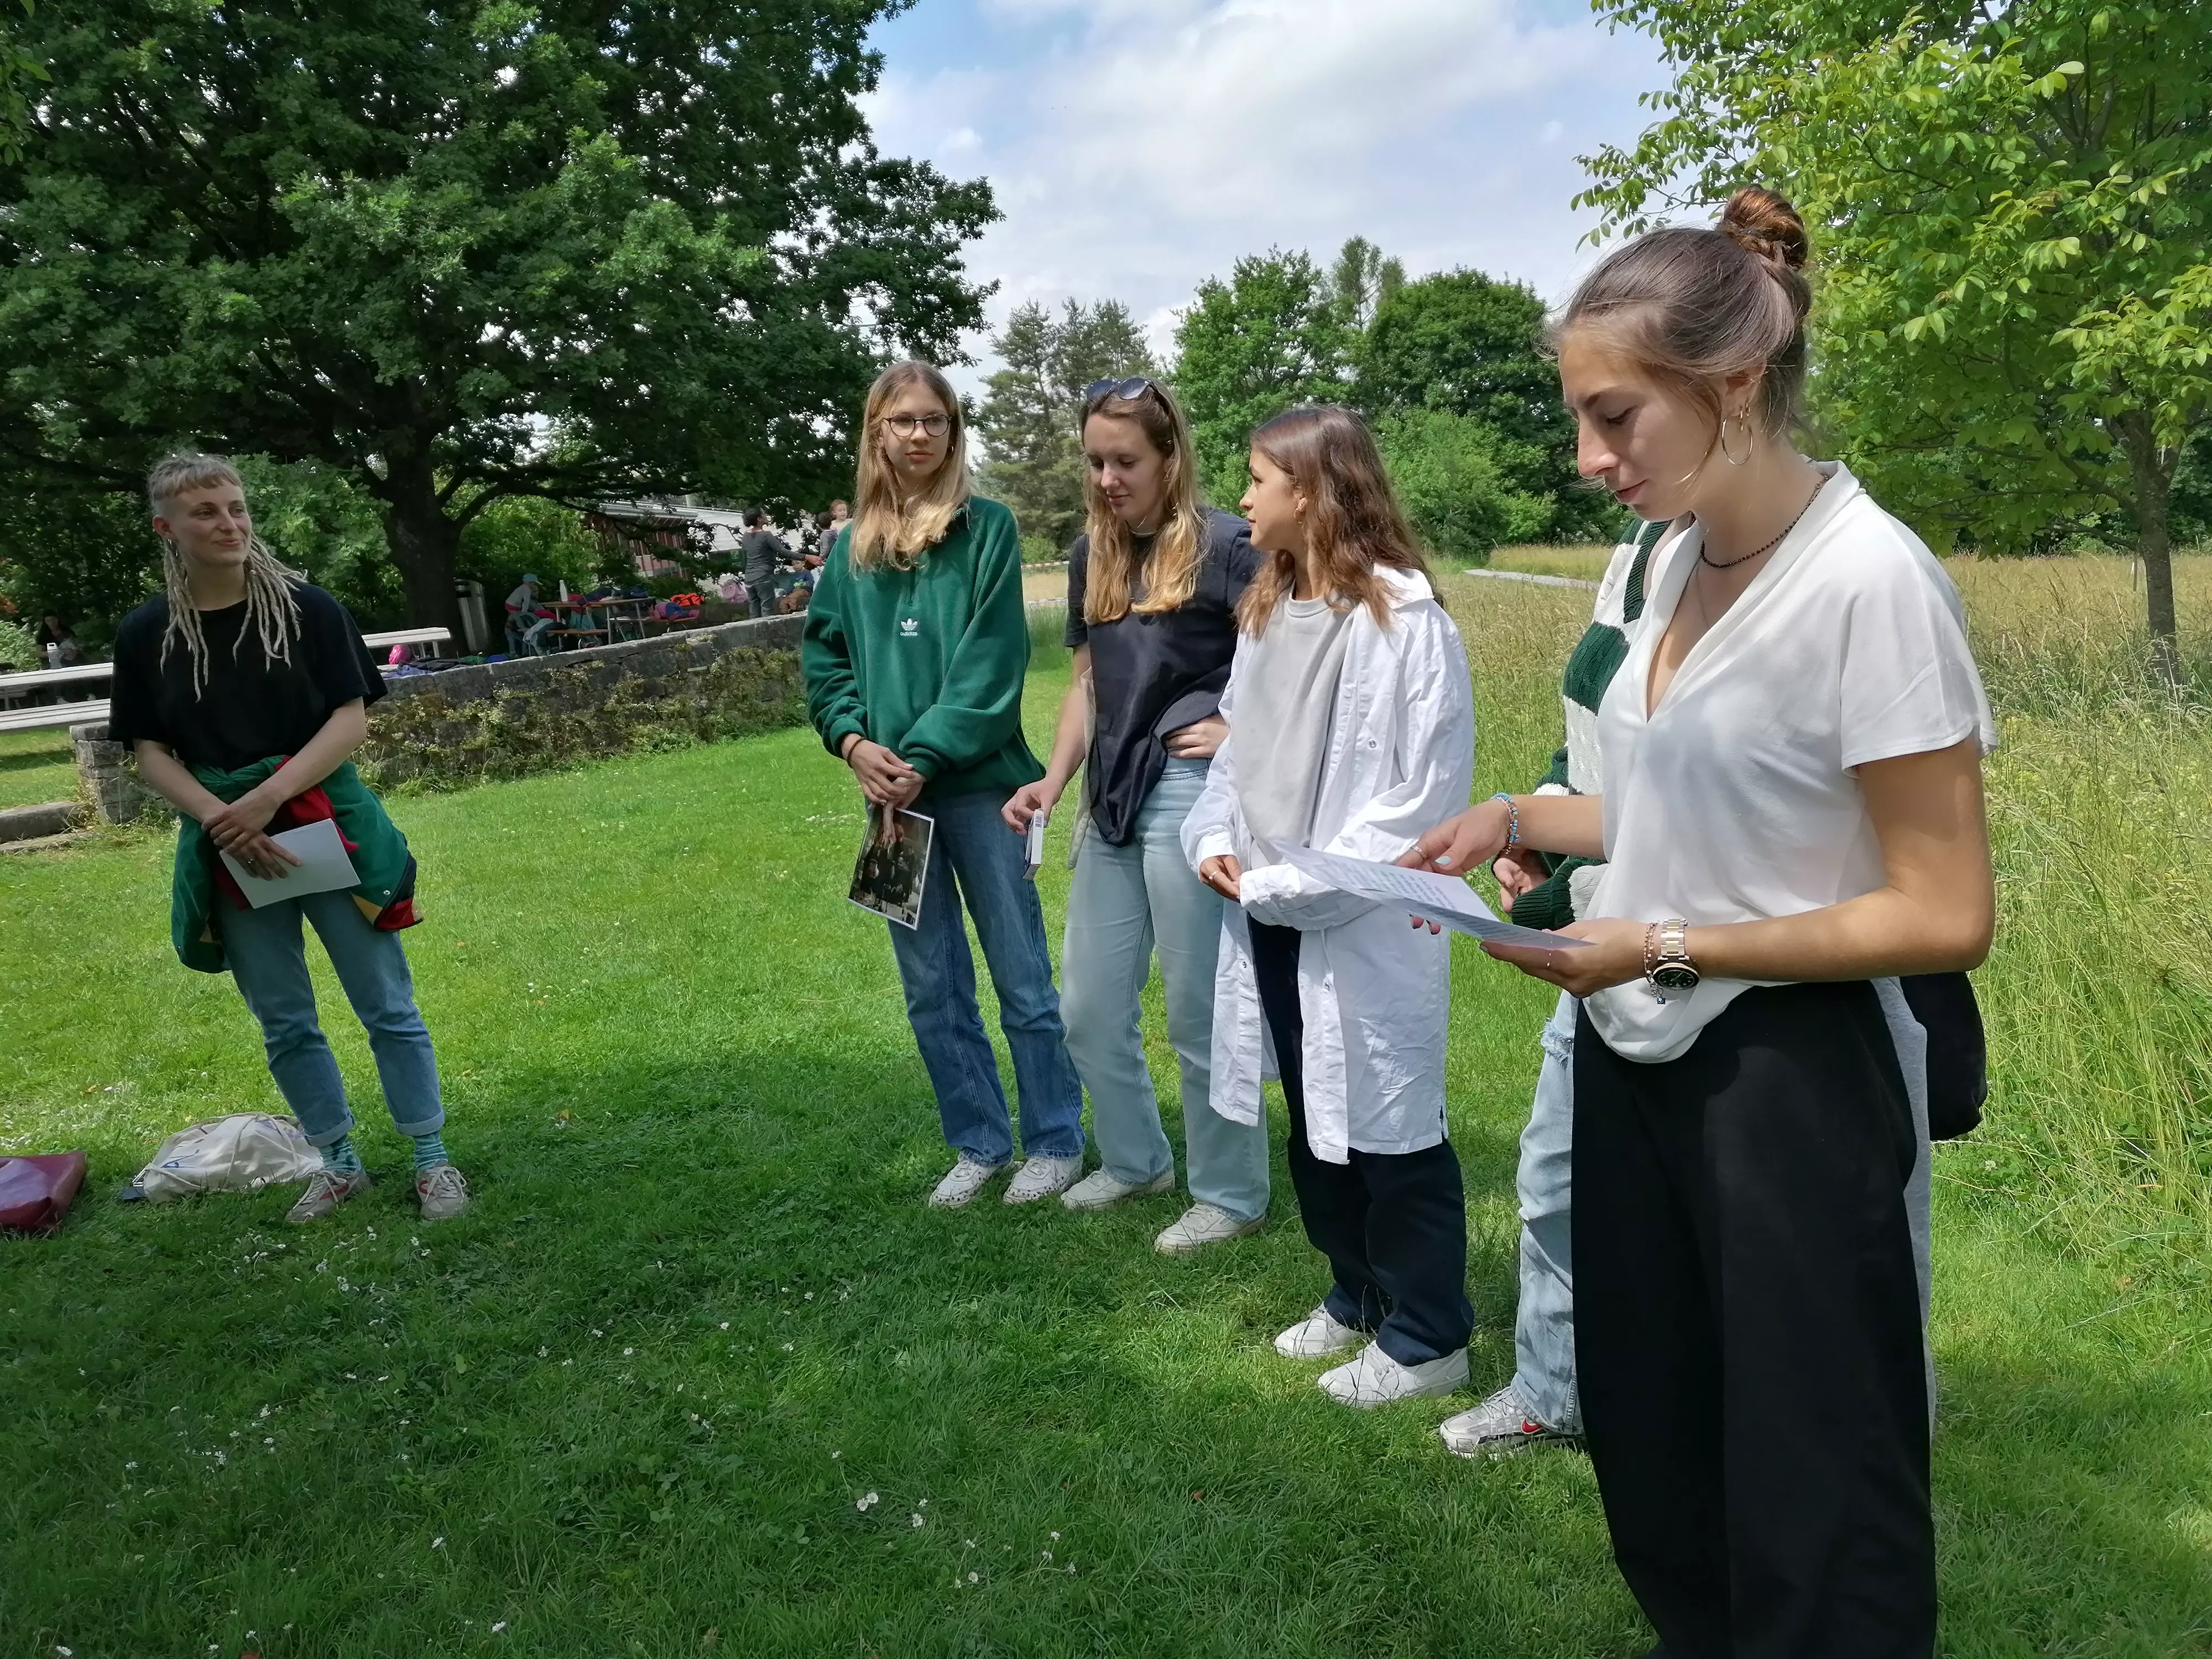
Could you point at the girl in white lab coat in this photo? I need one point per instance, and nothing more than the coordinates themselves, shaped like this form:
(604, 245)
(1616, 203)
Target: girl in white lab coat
(1351, 725)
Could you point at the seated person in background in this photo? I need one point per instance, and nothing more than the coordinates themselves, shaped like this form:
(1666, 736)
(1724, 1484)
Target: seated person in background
(526, 620)
(57, 646)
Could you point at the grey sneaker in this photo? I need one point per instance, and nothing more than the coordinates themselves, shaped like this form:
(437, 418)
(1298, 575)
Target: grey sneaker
(1201, 1225)
(963, 1181)
(326, 1190)
(1500, 1426)
(1098, 1190)
(444, 1194)
(1042, 1178)
(1317, 1336)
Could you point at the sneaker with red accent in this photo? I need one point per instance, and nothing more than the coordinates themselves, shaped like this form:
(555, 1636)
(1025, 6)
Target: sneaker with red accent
(326, 1190)
(1500, 1426)
(443, 1193)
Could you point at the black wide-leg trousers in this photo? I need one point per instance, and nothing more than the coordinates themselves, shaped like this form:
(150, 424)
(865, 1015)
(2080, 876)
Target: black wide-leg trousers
(1392, 1225)
(1747, 1335)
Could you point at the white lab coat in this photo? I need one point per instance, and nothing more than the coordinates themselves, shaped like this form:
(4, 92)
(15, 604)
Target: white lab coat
(1374, 991)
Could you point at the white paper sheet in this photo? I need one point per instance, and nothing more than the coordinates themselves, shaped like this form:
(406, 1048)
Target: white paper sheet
(323, 866)
(1427, 894)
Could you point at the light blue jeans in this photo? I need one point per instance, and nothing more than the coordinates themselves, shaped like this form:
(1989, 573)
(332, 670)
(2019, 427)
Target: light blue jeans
(268, 958)
(1126, 903)
(973, 848)
(1544, 1327)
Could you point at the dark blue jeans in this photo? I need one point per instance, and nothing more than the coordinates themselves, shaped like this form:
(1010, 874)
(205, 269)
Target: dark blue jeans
(973, 856)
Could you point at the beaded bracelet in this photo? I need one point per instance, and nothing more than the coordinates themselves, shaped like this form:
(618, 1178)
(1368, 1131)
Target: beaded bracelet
(1512, 821)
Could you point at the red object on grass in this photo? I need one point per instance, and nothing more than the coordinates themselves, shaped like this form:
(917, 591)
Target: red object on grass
(35, 1193)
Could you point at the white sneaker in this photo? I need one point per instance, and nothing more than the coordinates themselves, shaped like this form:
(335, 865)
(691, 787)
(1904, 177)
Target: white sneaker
(1098, 1190)
(1375, 1379)
(966, 1178)
(1041, 1177)
(1317, 1336)
(1203, 1224)
(1500, 1426)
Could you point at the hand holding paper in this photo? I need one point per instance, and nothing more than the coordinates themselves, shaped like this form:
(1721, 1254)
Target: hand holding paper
(1432, 897)
(321, 866)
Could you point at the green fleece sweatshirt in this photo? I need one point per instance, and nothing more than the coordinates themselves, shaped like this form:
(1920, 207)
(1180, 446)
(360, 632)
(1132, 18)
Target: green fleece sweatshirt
(928, 662)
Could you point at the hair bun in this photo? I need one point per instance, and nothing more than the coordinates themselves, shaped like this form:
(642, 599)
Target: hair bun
(1765, 224)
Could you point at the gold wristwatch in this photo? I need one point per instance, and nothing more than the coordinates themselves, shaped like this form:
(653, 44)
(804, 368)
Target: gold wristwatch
(1667, 964)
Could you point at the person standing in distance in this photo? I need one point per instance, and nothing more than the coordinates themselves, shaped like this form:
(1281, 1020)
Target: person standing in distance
(1792, 811)
(1153, 586)
(913, 654)
(1350, 727)
(762, 549)
(243, 688)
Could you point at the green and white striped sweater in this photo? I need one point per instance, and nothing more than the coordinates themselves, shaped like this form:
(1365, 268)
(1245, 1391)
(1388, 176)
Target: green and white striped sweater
(1597, 655)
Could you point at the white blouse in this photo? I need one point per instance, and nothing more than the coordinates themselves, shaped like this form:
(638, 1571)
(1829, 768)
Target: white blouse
(1735, 800)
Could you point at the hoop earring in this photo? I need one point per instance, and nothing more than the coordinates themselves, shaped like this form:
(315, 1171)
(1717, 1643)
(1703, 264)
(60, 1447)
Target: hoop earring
(1743, 426)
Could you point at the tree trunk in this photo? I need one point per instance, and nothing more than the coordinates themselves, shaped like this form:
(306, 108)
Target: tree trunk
(2153, 475)
(423, 543)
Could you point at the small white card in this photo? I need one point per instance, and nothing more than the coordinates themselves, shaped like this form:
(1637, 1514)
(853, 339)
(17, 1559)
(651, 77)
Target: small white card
(323, 866)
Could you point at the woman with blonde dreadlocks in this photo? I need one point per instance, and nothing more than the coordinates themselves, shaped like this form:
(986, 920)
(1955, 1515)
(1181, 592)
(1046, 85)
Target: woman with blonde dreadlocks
(242, 687)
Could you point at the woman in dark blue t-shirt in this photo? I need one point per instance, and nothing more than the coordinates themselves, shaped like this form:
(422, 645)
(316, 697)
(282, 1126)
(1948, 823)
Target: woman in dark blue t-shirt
(1153, 586)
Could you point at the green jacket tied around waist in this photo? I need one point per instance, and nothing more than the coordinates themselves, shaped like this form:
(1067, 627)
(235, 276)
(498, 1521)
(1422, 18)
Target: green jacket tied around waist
(379, 857)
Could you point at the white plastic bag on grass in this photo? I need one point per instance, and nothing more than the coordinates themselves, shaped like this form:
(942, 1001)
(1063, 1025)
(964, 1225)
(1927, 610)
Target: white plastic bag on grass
(241, 1153)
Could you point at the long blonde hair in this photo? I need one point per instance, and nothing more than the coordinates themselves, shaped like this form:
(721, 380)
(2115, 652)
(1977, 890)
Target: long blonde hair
(889, 531)
(1353, 526)
(272, 600)
(1180, 547)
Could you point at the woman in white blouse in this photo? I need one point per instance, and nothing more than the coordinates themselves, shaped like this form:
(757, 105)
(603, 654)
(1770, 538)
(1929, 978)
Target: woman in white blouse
(1792, 809)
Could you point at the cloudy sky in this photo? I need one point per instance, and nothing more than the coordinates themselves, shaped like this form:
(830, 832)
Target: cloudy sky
(1139, 146)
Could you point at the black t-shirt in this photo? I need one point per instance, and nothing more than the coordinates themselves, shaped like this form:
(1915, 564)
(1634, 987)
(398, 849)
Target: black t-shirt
(1154, 675)
(249, 708)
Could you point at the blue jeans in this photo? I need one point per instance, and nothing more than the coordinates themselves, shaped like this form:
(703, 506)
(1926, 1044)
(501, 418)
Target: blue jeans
(973, 846)
(1126, 903)
(1544, 1327)
(268, 959)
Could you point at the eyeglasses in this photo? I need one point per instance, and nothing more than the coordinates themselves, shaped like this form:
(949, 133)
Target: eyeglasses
(905, 426)
(1134, 387)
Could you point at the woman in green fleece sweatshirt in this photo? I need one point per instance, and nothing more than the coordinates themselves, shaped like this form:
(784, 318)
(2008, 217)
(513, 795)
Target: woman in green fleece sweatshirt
(915, 647)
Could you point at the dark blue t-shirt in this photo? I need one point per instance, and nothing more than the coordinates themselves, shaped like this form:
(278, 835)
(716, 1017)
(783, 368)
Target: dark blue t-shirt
(1154, 675)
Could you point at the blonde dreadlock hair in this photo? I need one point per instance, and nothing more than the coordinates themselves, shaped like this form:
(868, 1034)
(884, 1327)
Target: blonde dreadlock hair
(272, 602)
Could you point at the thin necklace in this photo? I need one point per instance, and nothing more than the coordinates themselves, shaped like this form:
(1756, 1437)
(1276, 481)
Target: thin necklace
(1707, 559)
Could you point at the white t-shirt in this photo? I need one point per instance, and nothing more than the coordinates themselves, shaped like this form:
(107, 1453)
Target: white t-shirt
(1736, 801)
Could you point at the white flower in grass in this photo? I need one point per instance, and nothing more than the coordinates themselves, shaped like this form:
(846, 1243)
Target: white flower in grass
(868, 1502)
(627, 1353)
(915, 1518)
(437, 1543)
(973, 1577)
(498, 1627)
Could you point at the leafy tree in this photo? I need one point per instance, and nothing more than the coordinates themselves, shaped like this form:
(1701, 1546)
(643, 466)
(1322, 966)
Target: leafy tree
(1467, 343)
(1363, 279)
(1028, 421)
(1454, 477)
(464, 252)
(2012, 205)
(1270, 336)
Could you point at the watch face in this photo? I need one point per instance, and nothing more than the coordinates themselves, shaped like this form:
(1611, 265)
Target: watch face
(1674, 977)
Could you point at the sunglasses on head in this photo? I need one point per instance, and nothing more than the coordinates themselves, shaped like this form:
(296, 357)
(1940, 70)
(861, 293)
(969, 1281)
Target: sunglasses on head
(1128, 390)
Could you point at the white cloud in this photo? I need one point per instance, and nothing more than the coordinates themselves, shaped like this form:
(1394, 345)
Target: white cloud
(1138, 146)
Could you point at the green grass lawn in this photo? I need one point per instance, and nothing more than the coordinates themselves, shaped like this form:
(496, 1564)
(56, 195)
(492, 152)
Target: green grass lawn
(36, 767)
(699, 1370)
